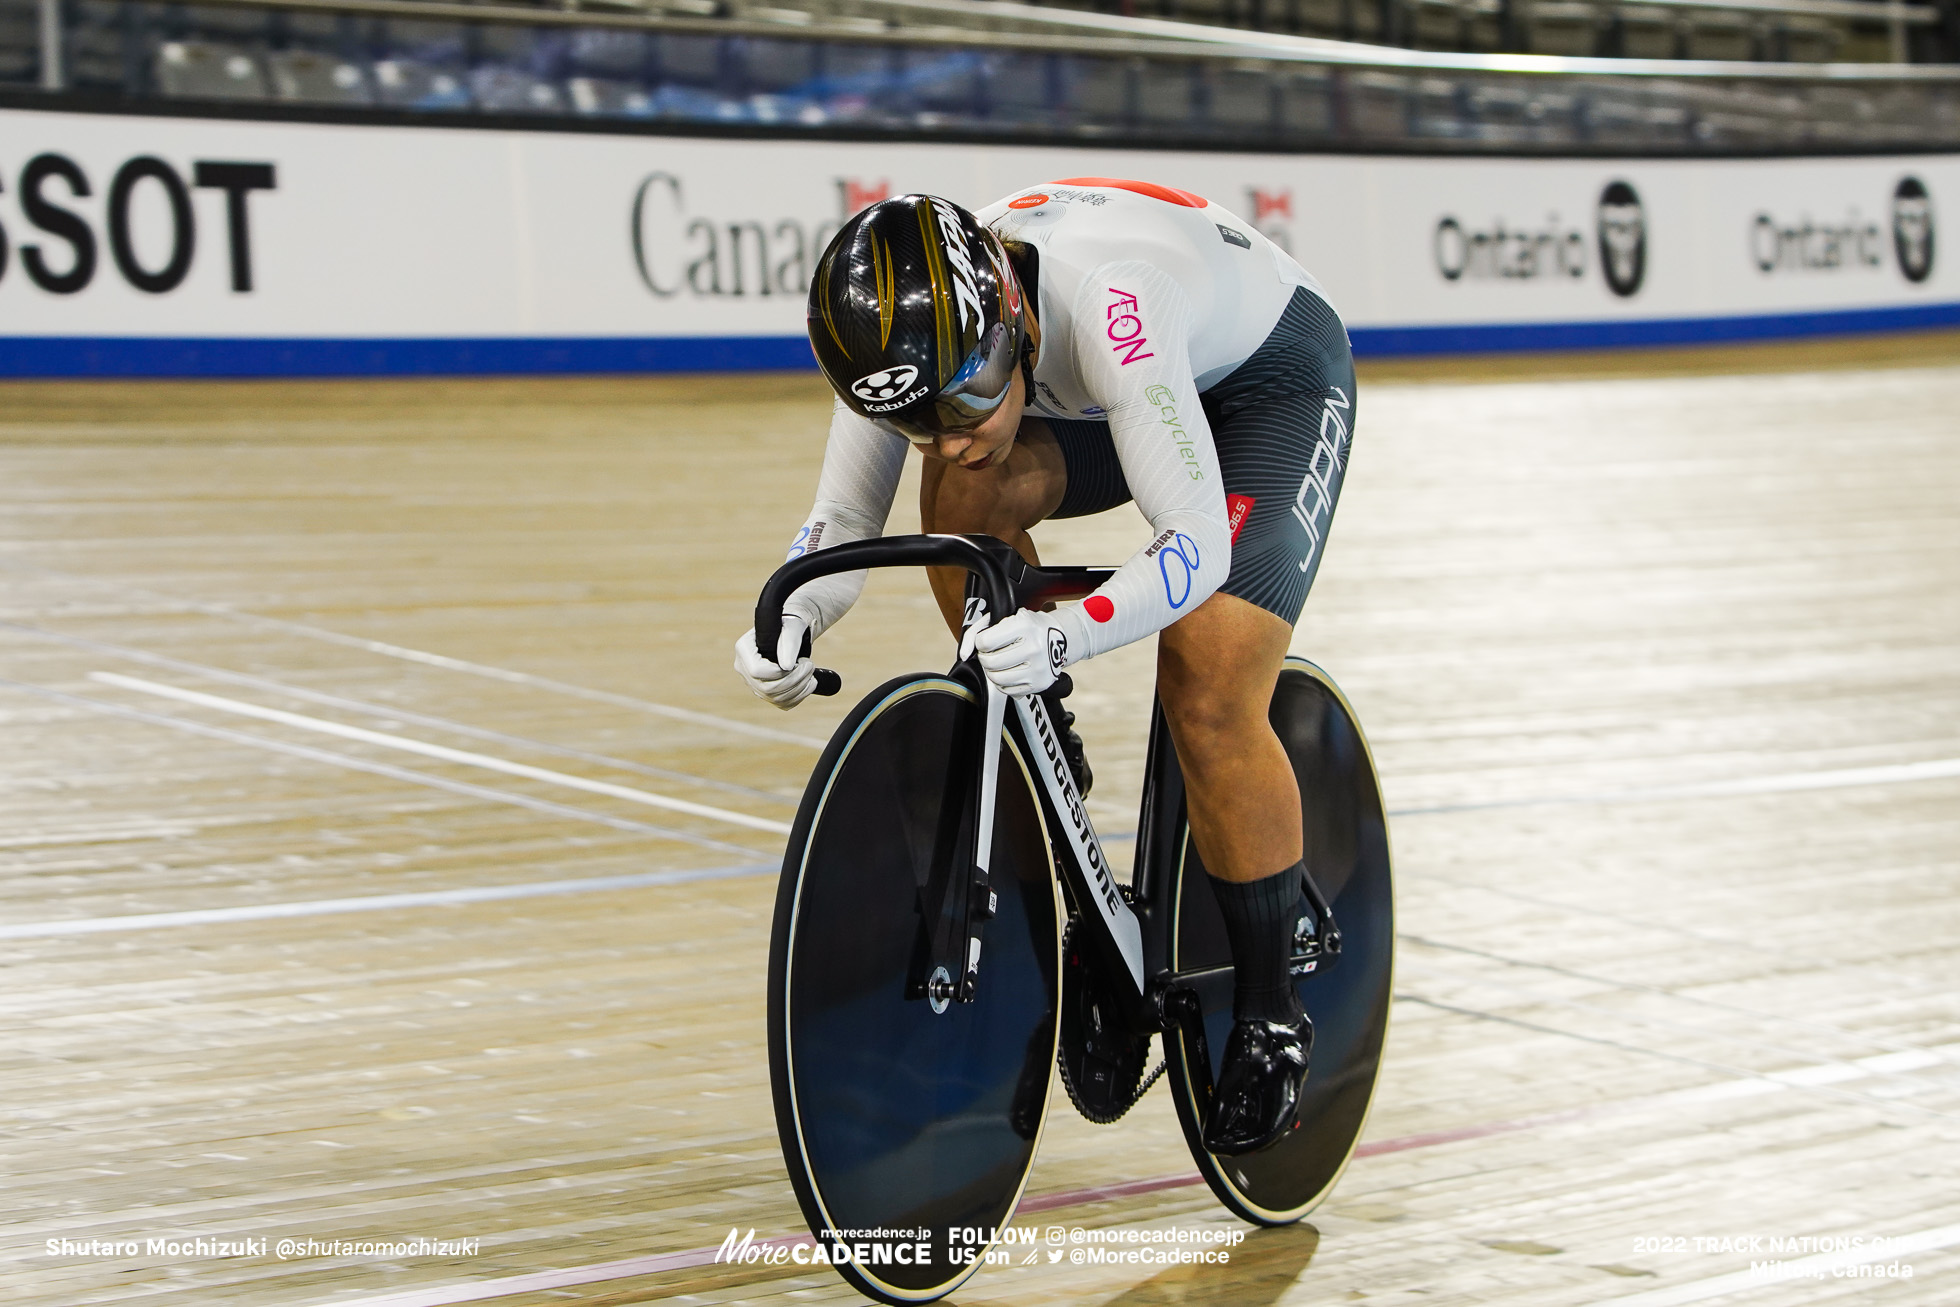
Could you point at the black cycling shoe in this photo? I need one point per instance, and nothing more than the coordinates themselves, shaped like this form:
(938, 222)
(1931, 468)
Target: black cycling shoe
(1258, 1094)
(1072, 753)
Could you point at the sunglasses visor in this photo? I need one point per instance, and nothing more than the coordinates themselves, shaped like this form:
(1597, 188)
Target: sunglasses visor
(974, 394)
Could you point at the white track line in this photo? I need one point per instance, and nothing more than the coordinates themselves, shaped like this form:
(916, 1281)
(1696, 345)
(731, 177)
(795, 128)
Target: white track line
(1820, 1265)
(1938, 769)
(422, 656)
(1894, 774)
(388, 712)
(1820, 1081)
(1817, 1069)
(1759, 1015)
(518, 678)
(505, 674)
(374, 902)
(377, 768)
(442, 752)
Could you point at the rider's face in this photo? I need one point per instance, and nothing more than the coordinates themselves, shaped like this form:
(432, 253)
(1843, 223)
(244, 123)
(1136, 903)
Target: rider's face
(988, 444)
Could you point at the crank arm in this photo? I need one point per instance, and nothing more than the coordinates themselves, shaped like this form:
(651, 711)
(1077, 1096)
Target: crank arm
(1185, 1011)
(1326, 941)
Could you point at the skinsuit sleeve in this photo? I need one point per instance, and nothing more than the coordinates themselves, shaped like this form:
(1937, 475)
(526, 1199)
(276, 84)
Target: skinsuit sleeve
(861, 467)
(1132, 352)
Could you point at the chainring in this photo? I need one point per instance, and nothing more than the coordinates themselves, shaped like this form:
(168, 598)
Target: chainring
(1102, 1064)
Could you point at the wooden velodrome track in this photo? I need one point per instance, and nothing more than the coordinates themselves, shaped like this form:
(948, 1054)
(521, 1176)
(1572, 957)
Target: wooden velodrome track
(323, 705)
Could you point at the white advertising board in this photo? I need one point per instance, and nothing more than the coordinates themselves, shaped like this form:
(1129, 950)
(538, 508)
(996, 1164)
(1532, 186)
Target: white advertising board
(173, 245)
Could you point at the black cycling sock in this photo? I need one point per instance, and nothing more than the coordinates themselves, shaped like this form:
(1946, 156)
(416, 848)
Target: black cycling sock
(1259, 920)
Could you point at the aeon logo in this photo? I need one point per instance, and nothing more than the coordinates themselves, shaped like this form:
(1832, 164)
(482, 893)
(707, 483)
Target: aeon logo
(882, 385)
(1124, 327)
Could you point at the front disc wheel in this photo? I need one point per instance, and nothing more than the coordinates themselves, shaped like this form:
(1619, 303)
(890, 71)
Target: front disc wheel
(908, 1126)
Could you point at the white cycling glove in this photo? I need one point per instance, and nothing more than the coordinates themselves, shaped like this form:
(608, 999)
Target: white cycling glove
(769, 680)
(1024, 652)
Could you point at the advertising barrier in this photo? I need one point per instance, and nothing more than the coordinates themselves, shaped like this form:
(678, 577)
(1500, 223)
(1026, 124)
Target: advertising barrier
(165, 246)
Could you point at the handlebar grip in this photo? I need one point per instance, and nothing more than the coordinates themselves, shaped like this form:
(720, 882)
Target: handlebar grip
(828, 682)
(979, 555)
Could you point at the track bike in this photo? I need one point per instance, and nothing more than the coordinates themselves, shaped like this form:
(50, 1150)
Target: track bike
(948, 935)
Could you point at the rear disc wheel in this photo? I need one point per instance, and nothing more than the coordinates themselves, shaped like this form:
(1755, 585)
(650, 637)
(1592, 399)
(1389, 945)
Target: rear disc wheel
(1347, 851)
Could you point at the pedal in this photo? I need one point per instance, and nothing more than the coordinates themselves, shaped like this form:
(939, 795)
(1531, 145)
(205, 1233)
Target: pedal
(1187, 1012)
(1306, 944)
(1316, 937)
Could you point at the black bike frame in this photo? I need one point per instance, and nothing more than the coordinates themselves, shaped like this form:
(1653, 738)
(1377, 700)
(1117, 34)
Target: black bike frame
(1129, 935)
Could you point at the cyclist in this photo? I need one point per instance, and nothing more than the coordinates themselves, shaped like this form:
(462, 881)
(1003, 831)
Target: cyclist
(1068, 348)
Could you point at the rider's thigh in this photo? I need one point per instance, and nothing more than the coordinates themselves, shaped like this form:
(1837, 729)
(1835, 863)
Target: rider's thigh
(1002, 501)
(1216, 672)
(1216, 667)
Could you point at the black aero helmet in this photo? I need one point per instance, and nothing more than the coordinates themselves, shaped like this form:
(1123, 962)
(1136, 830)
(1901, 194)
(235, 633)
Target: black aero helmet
(916, 317)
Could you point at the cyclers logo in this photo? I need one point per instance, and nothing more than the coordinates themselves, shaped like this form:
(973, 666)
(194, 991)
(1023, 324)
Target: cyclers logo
(885, 383)
(1622, 239)
(1057, 650)
(1187, 450)
(1912, 229)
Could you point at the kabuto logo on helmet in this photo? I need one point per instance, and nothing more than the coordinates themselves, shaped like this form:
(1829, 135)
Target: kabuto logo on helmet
(953, 236)
(886, 383)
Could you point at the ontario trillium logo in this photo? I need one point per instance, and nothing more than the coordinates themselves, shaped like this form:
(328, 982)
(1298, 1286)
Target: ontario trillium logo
(885, 383)
(1622, 238)
(1912, 229)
